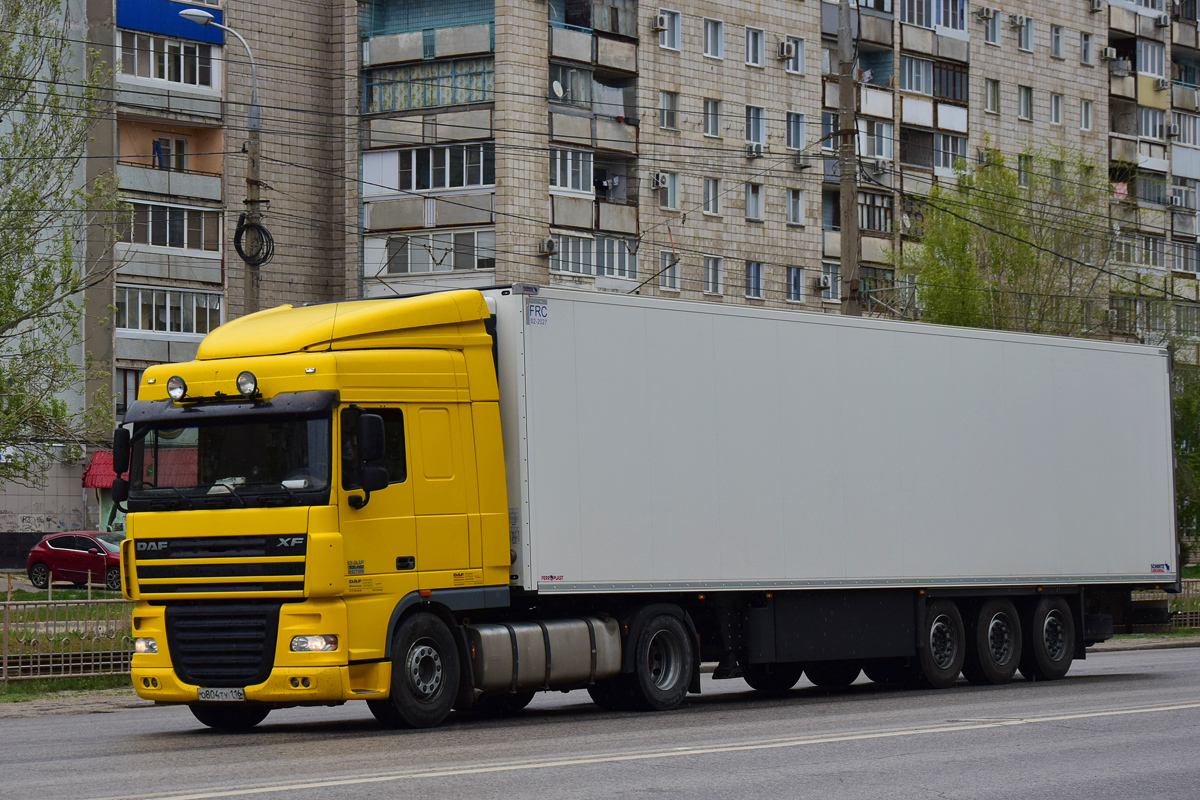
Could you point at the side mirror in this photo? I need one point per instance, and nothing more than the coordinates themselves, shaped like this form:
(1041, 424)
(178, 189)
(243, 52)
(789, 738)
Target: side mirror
(120, 453)
(371, 441)
(93, 551)
(374, 478)
(120, 490)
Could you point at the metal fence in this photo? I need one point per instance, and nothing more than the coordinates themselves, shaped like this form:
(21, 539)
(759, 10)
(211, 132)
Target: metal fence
(1184, 607)
(65, 638)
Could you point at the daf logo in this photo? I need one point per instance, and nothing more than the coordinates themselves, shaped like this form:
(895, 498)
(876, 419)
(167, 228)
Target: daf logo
(292, 541)
(152, 545)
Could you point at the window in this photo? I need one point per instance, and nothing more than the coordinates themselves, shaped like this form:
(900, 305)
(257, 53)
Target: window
(796, 135)
(712, 117)
(795, 284)
(1024, 169)
(795, 206)
(1056, 109)
(712, 195)
(755, 47)
(174, 226)
(668, 193)
(991, 95)
(829, 124)
(616, 257)
(917, 12)
(754, 124)
(141, 308)
(1025, 102)
(1085, 48)
(170, 154)
(874, 212)
(952, 14)
(421, 169)
(991, 29)
(950, 82)
(754, 201)
(573, 254)
(754, 279)
(714, 38)
(1150, 58)
(1153, 5)
(446, 251)
(1187, 319)
(948, 150)
(1152, 188)
(1185, 257)
(1085, 115)
(668, 270)
(571, 170)
(162, 59)
(1189, 129)
(713, 266)
(795, 64)
(393, 450)
(1142, 250)
(831, 270)
(668, 110)
(875, 138)
(916, 75)
(877, 5)
(1150, 122)
(668, 37)
(1183, 193)
(1025, 35)
(127, 386)
(829, 59)
(916, 147)
(570, 85)
(614, 16)
(437, 83)
(1056, 32)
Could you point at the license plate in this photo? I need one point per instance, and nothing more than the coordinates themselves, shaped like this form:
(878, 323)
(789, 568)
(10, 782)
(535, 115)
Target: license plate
(220, 695)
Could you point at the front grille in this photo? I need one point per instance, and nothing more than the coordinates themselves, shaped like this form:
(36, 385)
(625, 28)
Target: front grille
(221, 547)
(162, 567)
(223, 645)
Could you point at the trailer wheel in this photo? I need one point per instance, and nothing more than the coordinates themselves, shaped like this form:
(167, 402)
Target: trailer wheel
(1049, 644)
(424, 675)
(501, 705)
(832, 674)
(994, 648)
(229, 718)
(772, 678)
(944, 645)
(662, 668)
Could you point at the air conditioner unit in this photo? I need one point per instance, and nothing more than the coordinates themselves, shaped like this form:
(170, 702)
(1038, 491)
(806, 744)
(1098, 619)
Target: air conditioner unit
(1097, 5)
(659, 181)
(547, 246)
(1176, 200)
(787, 50)
(1162, 21)
(662, 22)
(1016, 20)
(802, 161)
(1161, 84)
(1109, 53)
(823, 282)
(1173, 129)
(986, 13)
(754, 150)
(879, 167)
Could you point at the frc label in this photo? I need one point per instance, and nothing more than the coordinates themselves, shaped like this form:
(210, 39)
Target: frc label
(539, 313)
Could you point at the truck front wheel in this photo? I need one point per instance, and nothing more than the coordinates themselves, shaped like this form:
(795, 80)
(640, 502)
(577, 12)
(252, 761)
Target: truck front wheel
(662, 663)
(1049, 641)
(424, 675)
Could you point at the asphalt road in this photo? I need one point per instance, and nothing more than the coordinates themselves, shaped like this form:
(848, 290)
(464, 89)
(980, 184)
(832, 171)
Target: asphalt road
(1122, 725)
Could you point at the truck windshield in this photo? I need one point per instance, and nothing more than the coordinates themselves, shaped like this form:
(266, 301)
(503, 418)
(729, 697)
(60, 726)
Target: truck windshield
(232, 463)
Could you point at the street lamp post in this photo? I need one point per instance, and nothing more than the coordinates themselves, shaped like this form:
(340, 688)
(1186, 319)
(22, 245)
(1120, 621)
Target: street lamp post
(258, 255)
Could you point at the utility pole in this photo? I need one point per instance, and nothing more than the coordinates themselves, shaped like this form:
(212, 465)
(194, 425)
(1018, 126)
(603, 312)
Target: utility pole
(848, 163)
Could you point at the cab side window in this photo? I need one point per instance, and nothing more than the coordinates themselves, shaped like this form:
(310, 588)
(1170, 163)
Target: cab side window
(393, 458)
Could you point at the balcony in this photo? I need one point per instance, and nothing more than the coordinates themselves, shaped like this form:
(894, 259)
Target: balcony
(151, 180)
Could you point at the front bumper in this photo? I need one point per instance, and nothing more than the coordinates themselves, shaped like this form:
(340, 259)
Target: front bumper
(325, 684)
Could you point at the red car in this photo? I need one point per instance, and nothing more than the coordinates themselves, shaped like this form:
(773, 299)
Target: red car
(70, 556)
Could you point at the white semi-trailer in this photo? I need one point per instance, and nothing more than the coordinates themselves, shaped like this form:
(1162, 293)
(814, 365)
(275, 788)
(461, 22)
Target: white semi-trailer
(522, 489)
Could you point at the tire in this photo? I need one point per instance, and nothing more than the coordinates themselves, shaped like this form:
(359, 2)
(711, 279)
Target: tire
(891, 671)
(994, 644)
(1049, 642)
(229, 718)
(425, 674)
(501, 705)
(832, 674)
(662, 668)
(772, 678)
(39, 575)
(112, 579)
(944, 641)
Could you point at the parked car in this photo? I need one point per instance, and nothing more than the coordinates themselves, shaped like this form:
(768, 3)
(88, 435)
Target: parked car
(71, 556)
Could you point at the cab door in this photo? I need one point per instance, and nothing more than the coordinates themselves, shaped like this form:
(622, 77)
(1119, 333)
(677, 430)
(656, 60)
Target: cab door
(440, 499)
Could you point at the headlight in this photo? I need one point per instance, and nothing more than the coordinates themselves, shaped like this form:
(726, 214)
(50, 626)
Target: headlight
(176, 387)
(313, 644)
(247, 384)
(145, 645)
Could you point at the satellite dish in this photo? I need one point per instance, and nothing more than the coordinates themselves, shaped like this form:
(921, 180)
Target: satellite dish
(906, 221)
(557, 88)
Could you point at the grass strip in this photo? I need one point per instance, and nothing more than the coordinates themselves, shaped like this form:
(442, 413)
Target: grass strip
(19, 691)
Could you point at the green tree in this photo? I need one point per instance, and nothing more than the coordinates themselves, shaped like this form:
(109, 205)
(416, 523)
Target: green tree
(49, 99)
(1015, 245)
(1187, 455)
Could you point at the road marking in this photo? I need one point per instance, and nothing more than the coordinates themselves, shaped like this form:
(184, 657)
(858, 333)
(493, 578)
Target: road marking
(674, 752)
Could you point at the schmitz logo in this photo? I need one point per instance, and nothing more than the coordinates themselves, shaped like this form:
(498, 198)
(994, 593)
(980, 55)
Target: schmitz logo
(143, 546)
(290, 541)
(1160, 567)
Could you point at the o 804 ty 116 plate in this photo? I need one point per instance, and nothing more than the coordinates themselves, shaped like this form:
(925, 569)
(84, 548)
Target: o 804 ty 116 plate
(221, 695)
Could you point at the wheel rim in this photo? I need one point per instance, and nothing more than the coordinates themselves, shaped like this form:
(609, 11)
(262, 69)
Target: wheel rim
(1000, 638)
(114, 580)
(943, 646)
(664, 659)
(1054, 634)
(40, 573)
(423, 668)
